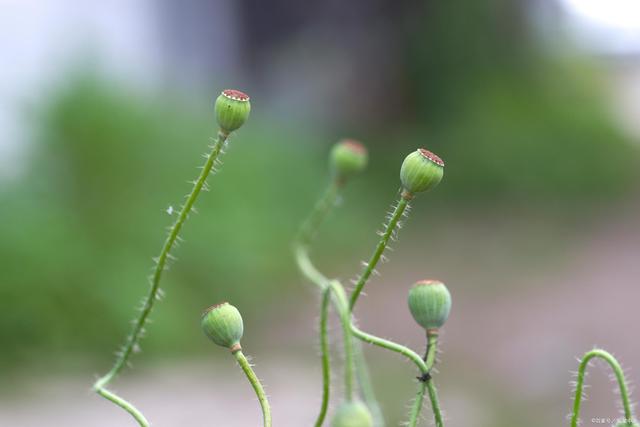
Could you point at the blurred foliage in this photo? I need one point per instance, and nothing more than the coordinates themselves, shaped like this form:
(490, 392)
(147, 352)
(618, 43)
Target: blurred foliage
(512, 124)
(511, 120)
(83, 226)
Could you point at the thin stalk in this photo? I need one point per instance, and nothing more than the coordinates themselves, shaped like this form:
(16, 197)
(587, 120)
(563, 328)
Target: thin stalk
(416, 408)
(430, 358)
(302, 242)
(622, 384)
(257, 387)
(390, 345)
(134, 337)
(324, 350)
(370, 266)
(366, 388)
(435, 405)
(136, 414)
(345, 320)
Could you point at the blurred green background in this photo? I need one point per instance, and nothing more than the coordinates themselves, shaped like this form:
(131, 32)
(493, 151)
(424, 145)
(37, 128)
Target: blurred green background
(538, 166)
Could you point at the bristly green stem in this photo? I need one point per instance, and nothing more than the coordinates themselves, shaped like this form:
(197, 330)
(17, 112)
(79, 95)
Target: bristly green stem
(430, 358)
(622, 384)
(370, 266)
(301, 249)
(257, 386)
(324, 351)
(133, 339)
(435, 405)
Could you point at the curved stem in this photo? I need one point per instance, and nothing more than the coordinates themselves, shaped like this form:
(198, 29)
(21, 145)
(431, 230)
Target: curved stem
(622, 384)
(430, 358)
(308, 230)
(133, 339)
(136, 414)
(257, 387)
(301, 249)
(390, 345)
(390, 227)
(324, 349)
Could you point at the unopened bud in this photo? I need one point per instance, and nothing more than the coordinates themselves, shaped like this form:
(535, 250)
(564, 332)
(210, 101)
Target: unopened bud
(430, 303)
(222, 323)
(348, 157)
(421, 171)
(232, 109)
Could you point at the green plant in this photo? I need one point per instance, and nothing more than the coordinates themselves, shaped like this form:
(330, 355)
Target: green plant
(222, 323)
(429, 301)
(232, 109)
(420, 171)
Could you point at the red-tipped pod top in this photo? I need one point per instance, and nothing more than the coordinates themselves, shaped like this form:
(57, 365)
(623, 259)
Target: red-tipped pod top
(421, 171)
(348, 157)
(222, 323)
(430, 303)
(352, 414)
(232, 109)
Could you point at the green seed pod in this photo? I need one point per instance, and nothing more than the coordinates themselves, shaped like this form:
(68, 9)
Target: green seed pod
(223, 324)
(430, 304)
(348, 157)
(421, 171)
(232, 109)
(352, 414)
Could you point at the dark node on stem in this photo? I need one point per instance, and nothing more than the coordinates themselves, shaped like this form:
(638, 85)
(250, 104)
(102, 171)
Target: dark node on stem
(424, 377)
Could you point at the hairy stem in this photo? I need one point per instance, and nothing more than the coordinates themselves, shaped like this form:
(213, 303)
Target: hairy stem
(324, 350)
(301, 249)
(370, 266)
(618, 372)
(435, 405)
(416, 408)
(257, 387)
(133, 339)
(430, 358)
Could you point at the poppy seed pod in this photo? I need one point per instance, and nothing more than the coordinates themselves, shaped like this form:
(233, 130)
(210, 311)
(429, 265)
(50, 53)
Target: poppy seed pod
(421, 171)
(223, 324)
(232, 109)
(430, 303)
(352, 414)
(348, 157)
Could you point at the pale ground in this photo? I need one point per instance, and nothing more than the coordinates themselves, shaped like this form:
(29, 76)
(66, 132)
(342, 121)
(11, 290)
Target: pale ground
(507, 356)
